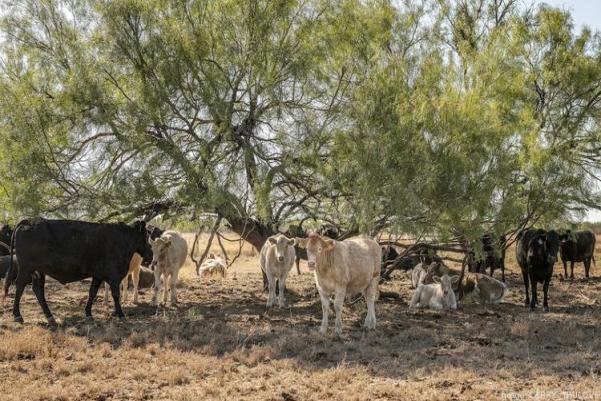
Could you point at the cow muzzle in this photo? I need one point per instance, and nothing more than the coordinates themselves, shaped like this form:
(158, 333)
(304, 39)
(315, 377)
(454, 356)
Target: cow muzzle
(280, 258)
(153, 265)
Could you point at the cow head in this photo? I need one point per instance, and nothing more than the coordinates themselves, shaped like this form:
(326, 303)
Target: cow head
(142, 246)
(317, 248)
(546, 245)
(566, 236)
(446, 283)
(160, 246)
(281, 245)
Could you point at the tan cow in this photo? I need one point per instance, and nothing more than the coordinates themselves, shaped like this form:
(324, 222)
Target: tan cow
(277, 259)
(134, 270)
(169, 253)
(485, 289)
(344, 268)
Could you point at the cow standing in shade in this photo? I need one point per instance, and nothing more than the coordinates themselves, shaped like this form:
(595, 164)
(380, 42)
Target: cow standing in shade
(345, 268)
(6, 234)
(69, 251)
(577, 247)
(277, 258)
(536, 253)
(168, 256)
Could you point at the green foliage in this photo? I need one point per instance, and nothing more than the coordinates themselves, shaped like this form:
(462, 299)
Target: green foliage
(439, 118)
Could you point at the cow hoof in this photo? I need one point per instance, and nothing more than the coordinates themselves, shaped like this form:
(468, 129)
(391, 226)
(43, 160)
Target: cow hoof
(52, 321)
(19, 319)
(89, 319)
(546, 309)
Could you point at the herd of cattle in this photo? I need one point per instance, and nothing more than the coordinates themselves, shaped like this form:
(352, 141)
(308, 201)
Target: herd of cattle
(70, 251)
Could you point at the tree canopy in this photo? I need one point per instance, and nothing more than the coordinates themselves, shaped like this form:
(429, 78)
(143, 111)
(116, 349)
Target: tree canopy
(430, 117)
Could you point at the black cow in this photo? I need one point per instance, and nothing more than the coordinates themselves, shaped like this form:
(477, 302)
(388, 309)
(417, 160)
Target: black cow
(69, 251)
(536, 253)
(577, 247)
(389, 253)
(5, 266)
(493, 255)
(5, 235)
(329, 230)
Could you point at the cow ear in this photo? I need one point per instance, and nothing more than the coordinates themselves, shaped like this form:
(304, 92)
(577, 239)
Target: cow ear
(436, 279)
(272, 240)
(167, 243)
(291, 242)
(301, 242)
(329, 245)
(454, 279)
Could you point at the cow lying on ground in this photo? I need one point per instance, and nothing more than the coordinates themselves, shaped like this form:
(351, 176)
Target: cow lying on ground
(484, 289)
(577, 247)
(439, 295)
(168, 256)
(344, 268)
(276, 260)
(69, 251)
(418, 275)
(212, 266)
(536, 253)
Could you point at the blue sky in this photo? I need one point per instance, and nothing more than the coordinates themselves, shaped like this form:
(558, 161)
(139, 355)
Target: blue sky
(584, 12)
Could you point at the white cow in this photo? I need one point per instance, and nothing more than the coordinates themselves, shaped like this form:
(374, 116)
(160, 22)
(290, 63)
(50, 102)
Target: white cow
(134, 269)
(439, 295)
(277, 258)
(169, 253)
(418, 275)
(344, 268)
(213, 265)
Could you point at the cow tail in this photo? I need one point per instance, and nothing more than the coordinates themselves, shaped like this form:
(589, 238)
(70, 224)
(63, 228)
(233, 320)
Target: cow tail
(9, 274)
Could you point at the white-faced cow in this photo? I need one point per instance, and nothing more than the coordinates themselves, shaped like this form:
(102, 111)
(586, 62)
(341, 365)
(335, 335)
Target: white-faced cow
(69, 251)
(536, 253)
(439, 295)
(277, 258)
(168, 256)
(577, 247)
(345, 268)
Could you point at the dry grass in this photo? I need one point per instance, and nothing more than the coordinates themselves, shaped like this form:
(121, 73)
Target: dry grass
(220, 343)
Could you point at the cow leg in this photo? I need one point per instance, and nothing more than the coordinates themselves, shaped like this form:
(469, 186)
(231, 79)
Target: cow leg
(22, 281)
(271, 286)
(173, 282)
(533, 300)
(157, 286)
(525, 275)
(545, 292)
(106, 294)
(338, 303)
(571, 269)
(298, 266)
(587, 267)
(325, 309)
(135, 278)
(265, 280)
(282, 288)
(166, 277)
(92, 295)
(492, 269)
(370, 299)
(123, 288)
(116, 292)
(565, 269)
(37, 284)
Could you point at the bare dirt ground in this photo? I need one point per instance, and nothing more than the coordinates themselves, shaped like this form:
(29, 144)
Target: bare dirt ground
(221, 343)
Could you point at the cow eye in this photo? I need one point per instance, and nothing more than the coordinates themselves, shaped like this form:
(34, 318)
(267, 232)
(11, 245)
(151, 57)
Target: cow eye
(319, 249)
